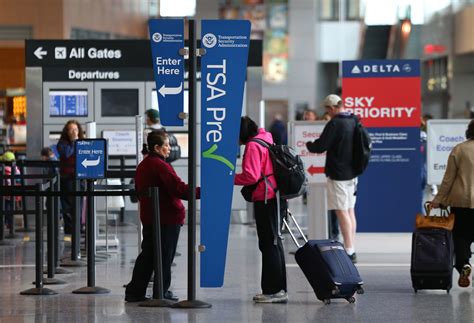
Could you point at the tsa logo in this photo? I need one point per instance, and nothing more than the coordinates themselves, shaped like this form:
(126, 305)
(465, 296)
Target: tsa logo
(209, 40)
(406, 68)
(157, 37)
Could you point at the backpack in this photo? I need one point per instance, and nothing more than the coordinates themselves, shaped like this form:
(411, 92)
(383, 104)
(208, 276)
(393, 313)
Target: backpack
(362, 148)
(175, 151)
(288, 169)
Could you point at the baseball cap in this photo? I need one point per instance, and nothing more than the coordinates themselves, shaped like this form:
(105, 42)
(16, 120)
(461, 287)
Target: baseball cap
(153, 114)
(332, 100)
(8, 156)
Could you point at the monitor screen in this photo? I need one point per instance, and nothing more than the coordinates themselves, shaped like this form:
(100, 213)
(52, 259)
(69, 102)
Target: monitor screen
(68, 103)
(183, 143)
(155, 105)
(119, 102)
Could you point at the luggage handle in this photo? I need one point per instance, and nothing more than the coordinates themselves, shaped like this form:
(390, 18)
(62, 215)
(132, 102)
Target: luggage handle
(291, 232)
(444, 209)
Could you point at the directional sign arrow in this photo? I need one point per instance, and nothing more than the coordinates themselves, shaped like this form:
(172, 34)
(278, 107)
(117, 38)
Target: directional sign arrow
(88, 163)
(315, 170)
(39, 52)
(170, 90)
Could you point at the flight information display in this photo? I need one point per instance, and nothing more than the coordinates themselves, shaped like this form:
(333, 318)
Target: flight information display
(68, 103)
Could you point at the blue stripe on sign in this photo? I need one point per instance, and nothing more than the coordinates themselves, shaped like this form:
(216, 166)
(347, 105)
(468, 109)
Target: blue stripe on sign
(381, 68)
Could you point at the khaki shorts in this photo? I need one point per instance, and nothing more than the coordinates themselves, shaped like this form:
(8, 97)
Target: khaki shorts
(341, 194)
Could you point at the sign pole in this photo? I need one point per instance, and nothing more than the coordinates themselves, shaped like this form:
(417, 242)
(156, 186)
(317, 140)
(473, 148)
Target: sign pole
(90, 288)
(192, 302)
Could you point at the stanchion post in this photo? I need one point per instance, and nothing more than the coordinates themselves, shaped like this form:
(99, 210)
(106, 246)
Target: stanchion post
(76, 231)
(158, 293)
(191, 302)
(3, 242)
(50, 280)
(57, 208)
(39, 289)
(26, 222)
(90, 236)
(11, 211)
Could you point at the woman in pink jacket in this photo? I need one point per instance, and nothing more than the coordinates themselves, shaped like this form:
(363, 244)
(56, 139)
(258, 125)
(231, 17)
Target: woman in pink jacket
(256, 163)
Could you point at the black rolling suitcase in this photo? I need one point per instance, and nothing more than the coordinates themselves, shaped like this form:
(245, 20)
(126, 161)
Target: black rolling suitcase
(327, 267)
(432, 259)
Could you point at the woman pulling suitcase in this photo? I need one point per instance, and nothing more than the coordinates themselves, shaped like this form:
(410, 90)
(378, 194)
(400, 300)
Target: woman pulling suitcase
(256, 163)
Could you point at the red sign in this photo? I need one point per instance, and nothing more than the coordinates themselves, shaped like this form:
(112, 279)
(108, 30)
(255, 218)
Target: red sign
(385, 101)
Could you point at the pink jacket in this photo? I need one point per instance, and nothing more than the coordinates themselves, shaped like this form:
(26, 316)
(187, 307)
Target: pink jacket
(255, 162)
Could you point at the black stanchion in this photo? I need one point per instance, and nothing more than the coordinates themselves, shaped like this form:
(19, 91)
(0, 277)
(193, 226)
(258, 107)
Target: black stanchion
(3, 242)
(158, 293)
(56, 208)
(26, 222)
(11, 211)
(90, 235)
(39, 289)
(76, 233)
(50, 280)
(192, 302)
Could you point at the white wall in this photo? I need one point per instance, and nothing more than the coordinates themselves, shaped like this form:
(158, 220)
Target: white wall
(339, 41)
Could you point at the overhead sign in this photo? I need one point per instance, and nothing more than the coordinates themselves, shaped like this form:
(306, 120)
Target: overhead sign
(167, 38)
(223, 72)
(443, 136)
(121, 142)
(87, 53)
(302, 132)
(386, 95)
(91, 158)
(133, 53)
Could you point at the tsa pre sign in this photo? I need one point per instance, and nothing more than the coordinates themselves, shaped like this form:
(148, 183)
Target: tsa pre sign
(223, 70)
(91, 158)
(167, 38)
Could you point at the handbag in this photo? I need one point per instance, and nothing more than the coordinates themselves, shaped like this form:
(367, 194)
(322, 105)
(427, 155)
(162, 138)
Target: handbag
(247, 191)
(445, 221)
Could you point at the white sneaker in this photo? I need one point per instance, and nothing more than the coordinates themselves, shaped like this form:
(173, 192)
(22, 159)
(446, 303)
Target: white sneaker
(258, 296)
(280, 297)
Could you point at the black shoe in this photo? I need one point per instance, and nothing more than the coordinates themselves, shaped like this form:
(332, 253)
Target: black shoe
(135, 299)
(170, 296)
(353, 258)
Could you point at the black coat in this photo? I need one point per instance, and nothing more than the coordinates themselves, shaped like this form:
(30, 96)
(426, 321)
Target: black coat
(338, 140)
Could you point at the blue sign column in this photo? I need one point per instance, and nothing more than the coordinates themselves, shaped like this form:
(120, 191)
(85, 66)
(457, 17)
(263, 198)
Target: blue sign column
(386, 95)
(167, 38)
(91, 158)
(223, 70)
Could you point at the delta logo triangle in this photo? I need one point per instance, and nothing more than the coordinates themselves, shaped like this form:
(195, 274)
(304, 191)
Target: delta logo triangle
(356, 70)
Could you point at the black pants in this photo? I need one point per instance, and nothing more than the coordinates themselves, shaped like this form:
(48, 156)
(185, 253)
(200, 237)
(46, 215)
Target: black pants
(463, 235)
(144, 263)
(333, 225)
(273, 255)
(67, 202)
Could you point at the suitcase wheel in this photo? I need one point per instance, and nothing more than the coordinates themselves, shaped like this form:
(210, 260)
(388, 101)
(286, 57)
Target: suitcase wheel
(351, 299)
(360, 290)
(326, 301)
(447, 291)
(416, 290)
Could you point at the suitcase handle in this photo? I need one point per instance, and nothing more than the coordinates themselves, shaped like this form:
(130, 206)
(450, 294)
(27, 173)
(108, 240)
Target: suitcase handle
(291, 232)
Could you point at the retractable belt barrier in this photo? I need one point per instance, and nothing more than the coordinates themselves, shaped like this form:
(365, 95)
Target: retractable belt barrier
(40, 191)
(22, 165)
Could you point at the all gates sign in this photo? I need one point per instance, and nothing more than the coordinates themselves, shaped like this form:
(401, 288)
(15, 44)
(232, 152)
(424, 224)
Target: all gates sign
(386, 95)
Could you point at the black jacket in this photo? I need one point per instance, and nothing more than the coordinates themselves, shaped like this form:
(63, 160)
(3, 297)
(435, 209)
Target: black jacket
(337, 139)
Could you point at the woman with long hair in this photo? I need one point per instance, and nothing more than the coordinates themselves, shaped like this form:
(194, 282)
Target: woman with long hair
(71, 132)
